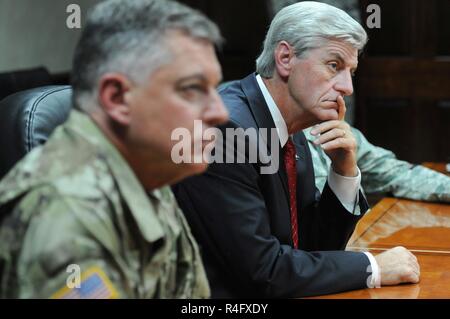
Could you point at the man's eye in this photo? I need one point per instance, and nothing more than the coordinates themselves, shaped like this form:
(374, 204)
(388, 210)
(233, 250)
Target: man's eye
(194, 88)
(194, 92)
(333, 65)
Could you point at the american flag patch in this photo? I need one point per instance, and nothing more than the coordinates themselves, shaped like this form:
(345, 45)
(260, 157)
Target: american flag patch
(94, 285)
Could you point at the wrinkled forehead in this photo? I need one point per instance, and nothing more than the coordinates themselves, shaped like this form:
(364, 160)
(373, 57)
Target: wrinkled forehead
(336, 50)
(190, 57)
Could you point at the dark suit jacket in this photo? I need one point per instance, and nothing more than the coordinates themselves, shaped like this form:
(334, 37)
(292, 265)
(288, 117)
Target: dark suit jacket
(241, 219)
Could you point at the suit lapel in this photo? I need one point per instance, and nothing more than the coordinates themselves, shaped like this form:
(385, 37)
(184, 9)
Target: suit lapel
(263, 119)
(305, 171)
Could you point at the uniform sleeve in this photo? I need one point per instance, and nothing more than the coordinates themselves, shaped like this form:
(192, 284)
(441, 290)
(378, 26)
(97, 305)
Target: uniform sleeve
(383, 172)
(321, 165)
(59, 258)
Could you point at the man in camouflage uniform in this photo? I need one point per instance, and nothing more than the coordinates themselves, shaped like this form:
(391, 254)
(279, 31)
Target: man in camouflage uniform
(89, 214)
(382, 172)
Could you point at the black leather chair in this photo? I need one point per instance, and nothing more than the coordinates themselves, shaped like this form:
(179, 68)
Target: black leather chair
(16, 81)
(28, 118)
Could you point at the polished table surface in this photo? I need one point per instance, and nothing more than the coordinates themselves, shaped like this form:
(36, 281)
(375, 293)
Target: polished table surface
(440, 167)
(423, 228)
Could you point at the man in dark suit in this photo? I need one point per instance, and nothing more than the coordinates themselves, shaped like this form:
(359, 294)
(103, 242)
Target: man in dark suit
(275, 235)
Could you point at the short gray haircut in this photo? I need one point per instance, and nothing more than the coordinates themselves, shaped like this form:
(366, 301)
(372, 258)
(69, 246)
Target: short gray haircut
(127, 36)
(305, 26)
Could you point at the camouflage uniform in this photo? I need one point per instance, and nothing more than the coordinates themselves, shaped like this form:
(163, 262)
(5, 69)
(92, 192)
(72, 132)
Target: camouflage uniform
(382, 172)
(76, 201)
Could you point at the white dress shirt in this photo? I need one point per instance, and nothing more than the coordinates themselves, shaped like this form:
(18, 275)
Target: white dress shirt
(345, 188)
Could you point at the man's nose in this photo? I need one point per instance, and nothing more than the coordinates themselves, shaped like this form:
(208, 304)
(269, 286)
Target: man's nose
(344, 83)
(216, 113)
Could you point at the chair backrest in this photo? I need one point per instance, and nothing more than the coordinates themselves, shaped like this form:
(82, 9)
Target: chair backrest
(28, 118)
(16, 81)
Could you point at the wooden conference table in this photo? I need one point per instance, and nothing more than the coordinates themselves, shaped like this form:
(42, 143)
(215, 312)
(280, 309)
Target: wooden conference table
(423, 228)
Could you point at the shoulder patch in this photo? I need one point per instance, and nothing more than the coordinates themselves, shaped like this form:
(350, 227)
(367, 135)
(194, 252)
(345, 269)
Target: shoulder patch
(94, 285)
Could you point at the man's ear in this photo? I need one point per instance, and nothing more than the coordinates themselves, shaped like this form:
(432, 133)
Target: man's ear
(111, 93)
(284, 53)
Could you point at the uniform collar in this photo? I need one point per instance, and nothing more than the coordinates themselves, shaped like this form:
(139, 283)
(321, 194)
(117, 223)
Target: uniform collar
(129, 186)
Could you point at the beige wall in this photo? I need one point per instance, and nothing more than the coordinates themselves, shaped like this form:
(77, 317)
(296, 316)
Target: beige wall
(34, 33)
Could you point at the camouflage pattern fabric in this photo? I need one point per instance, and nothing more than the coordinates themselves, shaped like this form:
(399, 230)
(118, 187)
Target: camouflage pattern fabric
(382, 172)
(75, 201)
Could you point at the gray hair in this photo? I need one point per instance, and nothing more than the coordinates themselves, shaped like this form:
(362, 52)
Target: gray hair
(127, 36)
(305, 26)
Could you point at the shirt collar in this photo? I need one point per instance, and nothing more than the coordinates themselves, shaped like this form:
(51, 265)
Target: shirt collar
(278, 119)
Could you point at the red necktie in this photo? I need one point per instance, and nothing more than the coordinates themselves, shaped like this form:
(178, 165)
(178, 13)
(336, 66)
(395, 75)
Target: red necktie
(289, 161)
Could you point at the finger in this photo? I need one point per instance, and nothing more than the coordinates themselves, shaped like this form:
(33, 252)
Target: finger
(342, 109)
(416, 269)
(325, 126)
(413, 259)
(416, 278)
(413, 279)
(338, 143)
(330, 135)
(410, 276)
